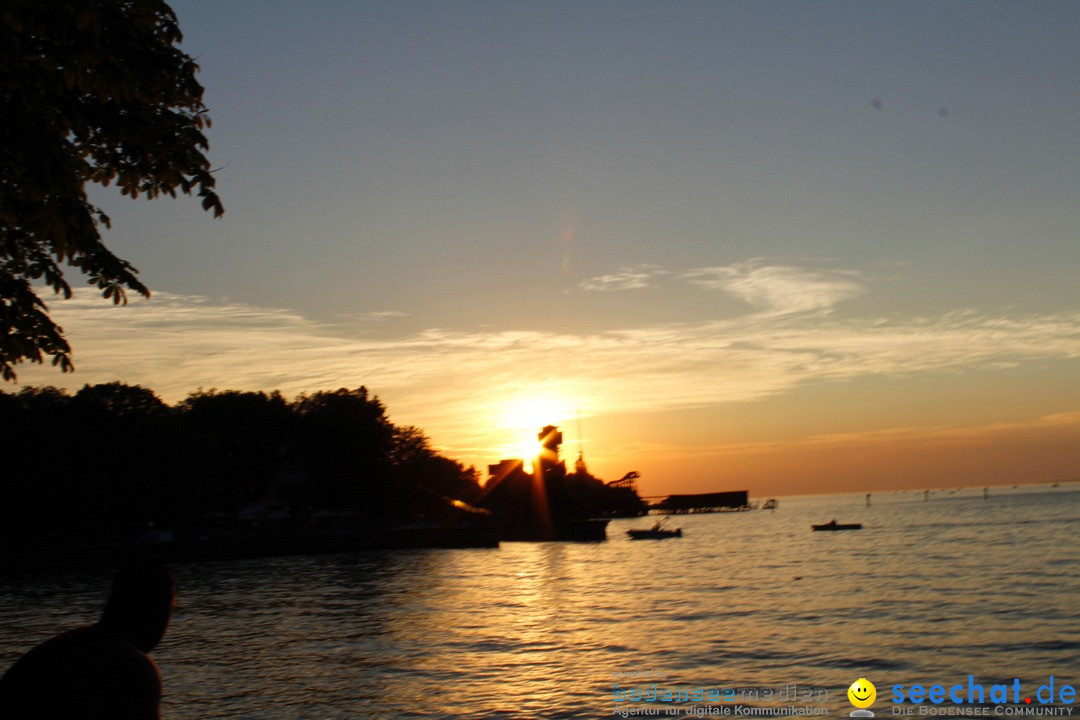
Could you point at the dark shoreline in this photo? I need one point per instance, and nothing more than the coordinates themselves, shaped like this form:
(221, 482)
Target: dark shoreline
(240, 547)
(258, 545)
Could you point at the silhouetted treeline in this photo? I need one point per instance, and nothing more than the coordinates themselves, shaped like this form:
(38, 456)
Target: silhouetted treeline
(112, 460)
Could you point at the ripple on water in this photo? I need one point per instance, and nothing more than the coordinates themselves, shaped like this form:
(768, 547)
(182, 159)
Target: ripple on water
(926, 590)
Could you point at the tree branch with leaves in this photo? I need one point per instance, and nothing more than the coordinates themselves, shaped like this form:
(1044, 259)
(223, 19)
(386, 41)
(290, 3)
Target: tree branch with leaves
(91, 91)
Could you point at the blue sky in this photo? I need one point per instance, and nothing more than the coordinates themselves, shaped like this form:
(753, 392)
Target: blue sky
(722, 231)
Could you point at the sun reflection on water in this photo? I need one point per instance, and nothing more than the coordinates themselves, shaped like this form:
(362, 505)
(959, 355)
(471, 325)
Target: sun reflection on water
(537, 629)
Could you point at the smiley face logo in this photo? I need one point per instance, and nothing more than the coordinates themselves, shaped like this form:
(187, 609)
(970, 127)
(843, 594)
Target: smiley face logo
(862, 693)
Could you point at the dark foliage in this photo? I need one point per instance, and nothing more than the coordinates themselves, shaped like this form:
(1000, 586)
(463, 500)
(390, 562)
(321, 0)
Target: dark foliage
(94, 91)
(128, 462)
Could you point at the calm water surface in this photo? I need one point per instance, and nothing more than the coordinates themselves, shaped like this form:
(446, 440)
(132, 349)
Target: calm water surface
(926, 592)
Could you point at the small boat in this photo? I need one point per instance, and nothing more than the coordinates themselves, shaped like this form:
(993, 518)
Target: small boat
(653, 534)
(770, 504)
(833, 525)
(656, 532)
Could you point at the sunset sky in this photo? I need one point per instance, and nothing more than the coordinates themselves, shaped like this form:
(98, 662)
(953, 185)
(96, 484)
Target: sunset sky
(779, 246)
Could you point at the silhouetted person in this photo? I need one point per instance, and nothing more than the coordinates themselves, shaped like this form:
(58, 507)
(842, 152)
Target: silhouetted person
(102, 671)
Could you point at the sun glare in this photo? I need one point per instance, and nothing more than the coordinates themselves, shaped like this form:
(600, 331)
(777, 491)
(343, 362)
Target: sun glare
(524, 417)
(529, 452)
(534, 413)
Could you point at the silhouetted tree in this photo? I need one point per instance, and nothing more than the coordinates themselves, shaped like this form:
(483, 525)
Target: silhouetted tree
(599, 499)
(117, 400)
(408, 445)
(34, 467)
(118, 469)
(129, 461)
(427, 477)
(241, 438)
(90, 92)
(344, 441)
(131, 469)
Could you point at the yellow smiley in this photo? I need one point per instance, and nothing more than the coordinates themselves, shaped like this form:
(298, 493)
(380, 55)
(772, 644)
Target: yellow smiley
(862, 693)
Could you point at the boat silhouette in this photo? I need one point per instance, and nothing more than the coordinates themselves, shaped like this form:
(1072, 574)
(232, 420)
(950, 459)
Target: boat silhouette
(833, 525)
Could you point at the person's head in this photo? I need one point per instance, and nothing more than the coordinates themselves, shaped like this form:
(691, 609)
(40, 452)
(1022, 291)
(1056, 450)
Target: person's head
(140, 604)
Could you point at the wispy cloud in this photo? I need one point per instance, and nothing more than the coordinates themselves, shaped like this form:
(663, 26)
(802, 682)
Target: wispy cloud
(929, 436)
(771, 289)
(373, 316)
(926, 437)
(779, 289)
(634, 277)
(453, 382)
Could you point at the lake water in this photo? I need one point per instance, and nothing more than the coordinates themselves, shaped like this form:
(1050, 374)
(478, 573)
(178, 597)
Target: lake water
(928, 592)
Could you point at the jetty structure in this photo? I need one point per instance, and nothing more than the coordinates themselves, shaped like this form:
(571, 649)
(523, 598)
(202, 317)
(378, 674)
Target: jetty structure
(730, 501)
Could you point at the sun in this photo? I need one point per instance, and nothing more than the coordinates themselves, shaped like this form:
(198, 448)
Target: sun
(528, 452)
(522, 419)
(533, 413)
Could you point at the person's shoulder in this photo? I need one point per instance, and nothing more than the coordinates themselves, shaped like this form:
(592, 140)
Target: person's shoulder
(89, 669)
(45, 653)
(32, 680)
(108, 651)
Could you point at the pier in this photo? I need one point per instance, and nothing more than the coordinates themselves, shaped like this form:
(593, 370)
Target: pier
(730, 501)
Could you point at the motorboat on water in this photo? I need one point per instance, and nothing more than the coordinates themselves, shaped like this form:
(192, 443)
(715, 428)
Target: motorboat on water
(653, 534)
(833, 525)
(656, 532)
